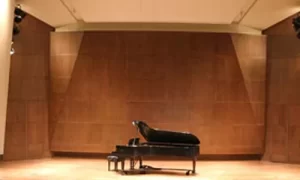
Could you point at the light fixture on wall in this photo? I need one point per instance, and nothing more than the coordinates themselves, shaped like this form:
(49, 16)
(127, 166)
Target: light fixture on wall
(19, 16)
(16, 30)
(296, 25)
(12, 50)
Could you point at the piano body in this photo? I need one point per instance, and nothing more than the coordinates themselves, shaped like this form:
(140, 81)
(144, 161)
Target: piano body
(159, 143)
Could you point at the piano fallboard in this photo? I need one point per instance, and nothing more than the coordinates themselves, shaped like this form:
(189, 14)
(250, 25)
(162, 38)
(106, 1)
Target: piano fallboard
(158, 150)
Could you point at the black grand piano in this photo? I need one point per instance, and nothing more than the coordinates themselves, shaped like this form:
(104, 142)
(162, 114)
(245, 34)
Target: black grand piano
(158, 143)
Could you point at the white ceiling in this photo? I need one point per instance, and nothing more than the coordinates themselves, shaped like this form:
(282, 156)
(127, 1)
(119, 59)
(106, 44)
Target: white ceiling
(179, 11)
(257, 14)
(266, 13)
(53, 12)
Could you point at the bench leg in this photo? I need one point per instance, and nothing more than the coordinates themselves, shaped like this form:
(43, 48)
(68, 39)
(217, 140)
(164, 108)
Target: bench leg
(194, 165)
(116, 165)
(108, 165)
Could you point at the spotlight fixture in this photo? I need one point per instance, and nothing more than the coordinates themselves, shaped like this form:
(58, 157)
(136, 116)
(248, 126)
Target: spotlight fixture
(296, 25)
(12, 50)
(18, 19)
(16, 30)
(19, 14)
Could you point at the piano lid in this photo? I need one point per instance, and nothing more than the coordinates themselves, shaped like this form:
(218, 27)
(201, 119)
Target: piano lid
(164, 136)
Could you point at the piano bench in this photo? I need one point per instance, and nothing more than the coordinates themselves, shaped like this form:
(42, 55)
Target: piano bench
(115, 159)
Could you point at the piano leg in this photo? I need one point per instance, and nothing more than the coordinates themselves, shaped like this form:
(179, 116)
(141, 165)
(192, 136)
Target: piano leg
(116, 165)
(141, 162)
(194, 165)
(122, 165)
(131, 163)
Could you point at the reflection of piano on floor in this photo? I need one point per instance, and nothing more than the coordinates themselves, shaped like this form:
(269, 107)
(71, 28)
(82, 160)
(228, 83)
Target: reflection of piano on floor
(159, 143)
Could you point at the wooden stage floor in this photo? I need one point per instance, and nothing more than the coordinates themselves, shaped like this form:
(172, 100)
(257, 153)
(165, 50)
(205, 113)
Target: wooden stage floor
(96, 169)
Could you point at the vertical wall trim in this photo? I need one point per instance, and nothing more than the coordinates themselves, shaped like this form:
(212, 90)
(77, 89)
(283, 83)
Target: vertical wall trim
(6, 23)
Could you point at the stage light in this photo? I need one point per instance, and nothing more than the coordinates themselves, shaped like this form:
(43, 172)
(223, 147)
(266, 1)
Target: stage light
(12, 51)
(296, 25)
(18, 19)
(16, 30)
(19, 16)
(19, 12)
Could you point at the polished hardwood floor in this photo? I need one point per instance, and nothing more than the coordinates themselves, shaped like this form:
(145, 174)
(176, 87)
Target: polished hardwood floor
(96, 169)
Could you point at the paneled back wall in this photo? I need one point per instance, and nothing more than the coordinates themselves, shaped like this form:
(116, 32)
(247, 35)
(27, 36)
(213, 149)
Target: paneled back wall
(210, 84)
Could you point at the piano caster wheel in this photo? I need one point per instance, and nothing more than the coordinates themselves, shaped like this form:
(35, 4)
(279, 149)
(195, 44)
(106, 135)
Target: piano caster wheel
(188, 172)
(145, 167)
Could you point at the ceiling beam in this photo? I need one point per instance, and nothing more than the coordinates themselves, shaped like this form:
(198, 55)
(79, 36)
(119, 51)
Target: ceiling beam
(244, 11)
(179, 27)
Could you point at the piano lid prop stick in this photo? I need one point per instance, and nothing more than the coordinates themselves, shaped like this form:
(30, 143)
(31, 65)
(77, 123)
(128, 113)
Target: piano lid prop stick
(137, 133)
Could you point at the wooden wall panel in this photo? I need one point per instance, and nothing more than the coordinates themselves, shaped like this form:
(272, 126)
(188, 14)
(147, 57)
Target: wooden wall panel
(283, 139)
(26, 134)
(197, 82)
(283, 27)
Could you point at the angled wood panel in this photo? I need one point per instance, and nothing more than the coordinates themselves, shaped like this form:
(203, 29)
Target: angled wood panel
(283, 93)
(27, 111)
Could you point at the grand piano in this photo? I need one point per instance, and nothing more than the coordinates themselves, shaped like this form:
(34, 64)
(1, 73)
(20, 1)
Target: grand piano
(158, 143)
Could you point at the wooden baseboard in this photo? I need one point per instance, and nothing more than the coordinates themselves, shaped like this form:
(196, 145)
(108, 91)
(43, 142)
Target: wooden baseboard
(206, 157)
(230, 157)
(79, 155)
